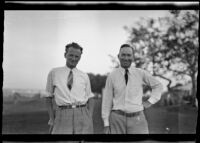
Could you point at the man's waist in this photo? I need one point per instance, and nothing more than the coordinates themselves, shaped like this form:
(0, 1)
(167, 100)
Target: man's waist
(128, 108)
(132, 114)
(70, 106)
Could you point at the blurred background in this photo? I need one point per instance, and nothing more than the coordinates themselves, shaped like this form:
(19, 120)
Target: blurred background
(167, 46)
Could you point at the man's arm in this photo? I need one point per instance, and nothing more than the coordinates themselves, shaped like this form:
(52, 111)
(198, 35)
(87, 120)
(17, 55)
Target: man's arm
(49, 97)
(90, 102)
(156, 88)
(147, 104)
(90, 105)
(50, 109)
(107, 103)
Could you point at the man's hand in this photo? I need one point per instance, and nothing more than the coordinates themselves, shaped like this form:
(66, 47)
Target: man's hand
(106, 130)
(51, 123)
(146, 104)
(90, 105)
(51, 112)
(50, 129)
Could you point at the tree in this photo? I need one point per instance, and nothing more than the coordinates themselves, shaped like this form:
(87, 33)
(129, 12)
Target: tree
(184, 33)
(97, 82)
(168, 45)
(146, 38)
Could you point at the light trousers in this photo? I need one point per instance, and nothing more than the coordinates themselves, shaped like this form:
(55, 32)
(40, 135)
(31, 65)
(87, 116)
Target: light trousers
(120, 124)
(73, 121)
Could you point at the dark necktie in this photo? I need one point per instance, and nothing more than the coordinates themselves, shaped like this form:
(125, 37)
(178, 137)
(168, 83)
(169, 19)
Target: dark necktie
(126, 75)
(70, 80)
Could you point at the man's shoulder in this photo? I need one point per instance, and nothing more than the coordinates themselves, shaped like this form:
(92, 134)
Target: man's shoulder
(114, 72)
(136, 69)
(80, 72)
(139, 70)
(57, 69)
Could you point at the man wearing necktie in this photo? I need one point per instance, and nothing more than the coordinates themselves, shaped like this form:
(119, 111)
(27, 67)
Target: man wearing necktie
(122, 105)
(70, 89)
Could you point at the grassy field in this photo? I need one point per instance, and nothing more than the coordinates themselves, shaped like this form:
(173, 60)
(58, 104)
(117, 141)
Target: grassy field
(31, 118)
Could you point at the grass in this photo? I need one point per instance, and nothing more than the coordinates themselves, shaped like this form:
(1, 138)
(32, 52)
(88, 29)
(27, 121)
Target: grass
(31, 118)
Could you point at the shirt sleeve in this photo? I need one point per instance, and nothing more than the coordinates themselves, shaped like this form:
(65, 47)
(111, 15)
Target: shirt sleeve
(107, 101)
(49, 85)
(155, 85)
(88, 89)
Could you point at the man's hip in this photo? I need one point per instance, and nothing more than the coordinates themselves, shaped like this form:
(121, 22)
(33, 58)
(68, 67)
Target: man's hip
(70, 120)
(128, 123)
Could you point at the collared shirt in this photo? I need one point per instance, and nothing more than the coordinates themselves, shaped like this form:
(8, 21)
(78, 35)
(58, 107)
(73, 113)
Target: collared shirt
(119, 96)
(57, 86)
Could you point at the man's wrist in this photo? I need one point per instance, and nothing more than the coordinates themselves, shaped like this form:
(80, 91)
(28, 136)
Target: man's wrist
(51, 121)
(152, 100)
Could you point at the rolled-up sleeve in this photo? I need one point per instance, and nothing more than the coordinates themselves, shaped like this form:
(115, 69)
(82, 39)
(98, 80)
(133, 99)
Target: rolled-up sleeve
(155, 85)
(49, 85)
(107, 101)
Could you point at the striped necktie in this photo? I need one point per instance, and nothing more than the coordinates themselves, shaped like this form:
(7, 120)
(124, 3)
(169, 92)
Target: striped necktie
(126, 76)
(70, 80)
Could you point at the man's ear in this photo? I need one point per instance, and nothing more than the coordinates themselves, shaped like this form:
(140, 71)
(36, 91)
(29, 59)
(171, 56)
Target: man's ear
(65, 54)
(118, 56)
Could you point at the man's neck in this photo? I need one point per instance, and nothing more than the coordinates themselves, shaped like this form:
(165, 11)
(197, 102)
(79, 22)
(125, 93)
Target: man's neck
(70, 67)
(125, 68)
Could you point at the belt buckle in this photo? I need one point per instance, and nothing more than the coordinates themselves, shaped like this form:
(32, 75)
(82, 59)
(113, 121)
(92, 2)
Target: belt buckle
(73, 106)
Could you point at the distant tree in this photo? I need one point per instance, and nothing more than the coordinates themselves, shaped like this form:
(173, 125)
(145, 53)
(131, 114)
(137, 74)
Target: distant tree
(114, 61)
(168, 45)
(97, 82)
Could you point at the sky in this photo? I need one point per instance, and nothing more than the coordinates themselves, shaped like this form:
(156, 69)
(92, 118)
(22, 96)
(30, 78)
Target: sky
(34, 41)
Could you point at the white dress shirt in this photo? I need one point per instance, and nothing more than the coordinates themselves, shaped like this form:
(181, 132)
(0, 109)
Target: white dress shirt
(128, 98)
(57, 86)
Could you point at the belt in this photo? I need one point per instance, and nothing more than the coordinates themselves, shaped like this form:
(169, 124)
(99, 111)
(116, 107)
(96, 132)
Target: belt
(71, 106)
(120, 112)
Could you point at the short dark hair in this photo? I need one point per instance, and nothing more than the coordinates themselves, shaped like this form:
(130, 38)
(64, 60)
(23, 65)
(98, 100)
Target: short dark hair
(127, 45)
(74, 45)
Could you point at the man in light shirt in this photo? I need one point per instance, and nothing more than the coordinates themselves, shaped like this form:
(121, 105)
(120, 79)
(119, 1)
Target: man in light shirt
(122, 105)
(70, 89)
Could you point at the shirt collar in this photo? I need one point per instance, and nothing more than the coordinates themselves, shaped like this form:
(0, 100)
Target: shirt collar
(68, 69)
(122, 70)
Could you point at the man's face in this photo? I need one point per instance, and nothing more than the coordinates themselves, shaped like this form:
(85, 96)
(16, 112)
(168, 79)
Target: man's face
(73, 56)
(126, 57)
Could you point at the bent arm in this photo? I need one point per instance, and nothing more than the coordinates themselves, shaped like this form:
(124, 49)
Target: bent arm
(156, 87)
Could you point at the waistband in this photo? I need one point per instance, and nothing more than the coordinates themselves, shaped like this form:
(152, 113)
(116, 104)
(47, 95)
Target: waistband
(71, 106)
(120, 112)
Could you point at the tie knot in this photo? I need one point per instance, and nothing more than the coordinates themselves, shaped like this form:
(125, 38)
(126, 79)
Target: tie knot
(126, 71)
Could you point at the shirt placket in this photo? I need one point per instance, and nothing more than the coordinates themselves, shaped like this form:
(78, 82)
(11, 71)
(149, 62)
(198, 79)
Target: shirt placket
(126, 96)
